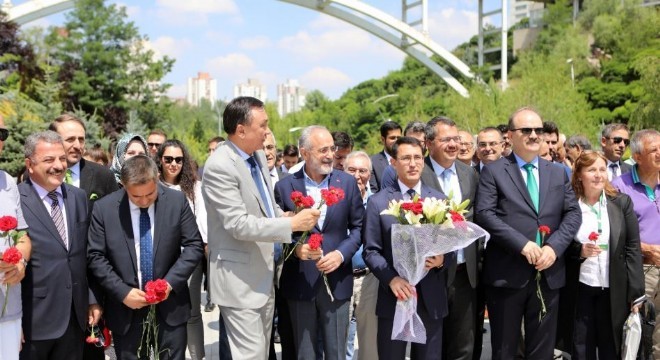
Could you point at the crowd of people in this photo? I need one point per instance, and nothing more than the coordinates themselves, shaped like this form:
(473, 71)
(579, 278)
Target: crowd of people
(573, 249)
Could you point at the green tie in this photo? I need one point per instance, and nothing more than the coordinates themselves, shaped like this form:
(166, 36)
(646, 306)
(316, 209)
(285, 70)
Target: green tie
(67, 177)
(533, 190)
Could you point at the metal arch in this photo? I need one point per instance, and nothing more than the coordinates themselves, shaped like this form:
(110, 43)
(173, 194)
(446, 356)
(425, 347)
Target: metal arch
(36, 9)
(366, 11)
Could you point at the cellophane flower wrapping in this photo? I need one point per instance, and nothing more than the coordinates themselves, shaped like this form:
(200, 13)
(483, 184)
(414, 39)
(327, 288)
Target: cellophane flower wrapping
(411, 245)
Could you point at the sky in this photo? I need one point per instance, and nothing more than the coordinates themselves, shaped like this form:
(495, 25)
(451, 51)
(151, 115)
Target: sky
(274, 40)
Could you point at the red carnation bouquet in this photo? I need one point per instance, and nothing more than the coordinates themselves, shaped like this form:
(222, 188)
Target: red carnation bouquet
(330, 196)
(155, 292)
(11, 255)
(315, 241)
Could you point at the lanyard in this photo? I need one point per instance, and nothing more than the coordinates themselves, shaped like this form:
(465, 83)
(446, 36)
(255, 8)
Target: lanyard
(598, 213)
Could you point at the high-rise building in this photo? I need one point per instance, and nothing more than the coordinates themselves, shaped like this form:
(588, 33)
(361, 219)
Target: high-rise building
(202, 87)
(520, 9)
(290, 97)
(253, 88)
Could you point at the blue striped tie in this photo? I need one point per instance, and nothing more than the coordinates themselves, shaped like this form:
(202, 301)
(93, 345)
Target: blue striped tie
(146, 247)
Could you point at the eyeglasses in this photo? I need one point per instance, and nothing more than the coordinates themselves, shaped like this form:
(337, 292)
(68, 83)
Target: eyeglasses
(483, 144)
(169, 159)
(618, 140)
(361, 171)
(456, 139)
(326, 150)
(528, 131)
(267, 147)
(409, 159)
(156, 145)
(468, 145)
(4, 134)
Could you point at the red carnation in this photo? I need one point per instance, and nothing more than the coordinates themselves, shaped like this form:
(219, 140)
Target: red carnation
(156, 291)
(315, 241)
(544, 230)
(417, 208)
(8, 223)
(307, 202)
(92, 339)
(593, 236)
(12, 256)
(332, 195)
(456, 216)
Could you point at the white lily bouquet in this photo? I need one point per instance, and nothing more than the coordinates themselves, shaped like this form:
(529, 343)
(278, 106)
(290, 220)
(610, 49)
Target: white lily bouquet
(427, 227)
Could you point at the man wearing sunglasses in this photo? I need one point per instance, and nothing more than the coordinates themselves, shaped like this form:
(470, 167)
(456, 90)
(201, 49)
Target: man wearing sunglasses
(614, 141)
(516, 195)
(155, 139)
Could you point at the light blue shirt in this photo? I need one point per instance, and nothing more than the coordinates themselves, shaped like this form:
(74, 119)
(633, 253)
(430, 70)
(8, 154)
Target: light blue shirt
(534, 162)
(455, 190)
(313, 189)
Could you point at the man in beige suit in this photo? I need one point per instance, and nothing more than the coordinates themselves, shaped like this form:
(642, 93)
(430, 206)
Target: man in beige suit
(246, 229)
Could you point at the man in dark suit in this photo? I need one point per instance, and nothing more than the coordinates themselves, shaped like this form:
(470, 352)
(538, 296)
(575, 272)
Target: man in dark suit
(123, 257)
(511, 204)
(444, 173)
(408, 161)
(302, 283)
(614, 141)
(389, 132)
(490, 145)
(95, 179)
(57, 302)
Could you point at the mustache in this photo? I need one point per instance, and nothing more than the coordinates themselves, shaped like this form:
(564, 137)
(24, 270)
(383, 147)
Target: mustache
(55, 172)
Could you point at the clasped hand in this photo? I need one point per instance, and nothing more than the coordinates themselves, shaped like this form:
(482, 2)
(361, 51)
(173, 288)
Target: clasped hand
(541, 257)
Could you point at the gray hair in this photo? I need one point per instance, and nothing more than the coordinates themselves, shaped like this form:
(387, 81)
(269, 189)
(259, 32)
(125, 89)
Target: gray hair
(139, 170)
(610, 128)
(578, 140)
(47, 136)
(358, 153)
(637, 141)
(304, 142)
(415, 126)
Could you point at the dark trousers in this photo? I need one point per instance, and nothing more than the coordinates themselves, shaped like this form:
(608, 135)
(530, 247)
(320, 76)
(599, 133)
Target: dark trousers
(593, 337)
(506, 310)
(284, 329)
(481, 313)
(396, 349)
(69, 346)
(172, 340)
(460, 324)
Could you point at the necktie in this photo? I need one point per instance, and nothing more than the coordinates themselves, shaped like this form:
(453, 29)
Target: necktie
(446, 181)
(58, 219)
(146, 247)
(68, 178)
(412, 193)
(258, 180)
(533, 190)
(614, 169)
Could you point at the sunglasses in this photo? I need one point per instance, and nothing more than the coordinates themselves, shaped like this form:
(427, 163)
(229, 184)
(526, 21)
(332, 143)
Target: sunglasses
(169, 159)
(528, 131)
(619, 139)
(4, 134)
(154, 145)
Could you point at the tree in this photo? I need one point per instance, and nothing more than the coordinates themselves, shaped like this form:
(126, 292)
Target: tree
(17, 60)
(105, 67)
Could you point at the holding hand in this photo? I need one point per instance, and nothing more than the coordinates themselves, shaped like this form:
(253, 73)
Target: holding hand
(304, 252)
(305, 220)
(402, 288)
(135, 299)
(547, 258)
(589, 250)
(14, 273)
(531, 252)
(330, 262)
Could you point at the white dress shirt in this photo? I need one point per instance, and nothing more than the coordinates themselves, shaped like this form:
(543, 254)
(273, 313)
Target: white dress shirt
(404, 190)
(594, 271)
(135, 221)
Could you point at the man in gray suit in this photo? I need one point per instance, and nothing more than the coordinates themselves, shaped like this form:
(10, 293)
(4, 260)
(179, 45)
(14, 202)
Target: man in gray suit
(244, 225)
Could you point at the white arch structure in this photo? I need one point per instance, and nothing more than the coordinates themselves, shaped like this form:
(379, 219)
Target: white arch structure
(398, 33)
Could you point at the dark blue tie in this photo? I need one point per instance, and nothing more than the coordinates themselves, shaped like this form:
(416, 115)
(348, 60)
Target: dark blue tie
(146, 247)
(255, 171)
(412, 193)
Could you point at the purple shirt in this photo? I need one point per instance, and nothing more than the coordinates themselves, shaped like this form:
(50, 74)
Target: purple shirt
(646, 203)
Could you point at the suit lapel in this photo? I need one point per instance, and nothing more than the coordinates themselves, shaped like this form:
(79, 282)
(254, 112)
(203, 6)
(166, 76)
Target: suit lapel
(70, 208)
(34, 203)
(616, 224)
(127, 226)
(85, 177)
(429, 177)
(463, 180)
(544, 182)
(333, 181)
(160, 218)
(244, 173)
(512, 169)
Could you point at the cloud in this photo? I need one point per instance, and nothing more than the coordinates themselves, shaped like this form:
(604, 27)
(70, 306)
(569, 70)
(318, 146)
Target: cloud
(237, 64)
(167, 45)
(131, 11)
(450, 27)
(328, 44)
(255, 43)
(330, 80)
(200, 6)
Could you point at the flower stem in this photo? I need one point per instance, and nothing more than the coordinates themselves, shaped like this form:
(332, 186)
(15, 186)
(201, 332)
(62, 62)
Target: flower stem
(327, 287)
(539, 294)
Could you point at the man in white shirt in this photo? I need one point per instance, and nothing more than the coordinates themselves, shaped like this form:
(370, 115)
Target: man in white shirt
(614, 141)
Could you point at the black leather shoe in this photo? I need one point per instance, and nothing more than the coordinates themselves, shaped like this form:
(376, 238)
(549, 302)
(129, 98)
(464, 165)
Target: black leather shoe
(209, 307)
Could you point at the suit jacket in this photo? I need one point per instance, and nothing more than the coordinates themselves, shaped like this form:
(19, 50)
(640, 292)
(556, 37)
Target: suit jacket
(626, 276)
(468, 180)
(625, 167)
(56, 278)
(240, 234)
(177, 249)
(96, 179)
(378, 164)
(504, 208)
(301, 280)
(377, 237)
